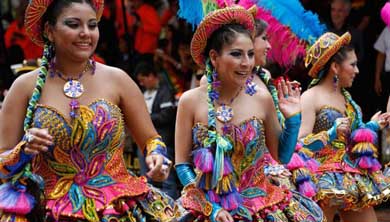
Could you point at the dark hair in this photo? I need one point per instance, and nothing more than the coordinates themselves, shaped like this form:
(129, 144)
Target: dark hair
(225, 35)
(260, 27)
(338, 58)
(56, 7)
(144, 69)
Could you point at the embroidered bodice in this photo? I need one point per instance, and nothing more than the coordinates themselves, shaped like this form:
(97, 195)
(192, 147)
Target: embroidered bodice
(248, 139)
(84, 171)
(325, 118)
(246, 157)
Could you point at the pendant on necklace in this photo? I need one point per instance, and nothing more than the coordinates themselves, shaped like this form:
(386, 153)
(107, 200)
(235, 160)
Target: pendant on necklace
(73, 89)
(224, 113)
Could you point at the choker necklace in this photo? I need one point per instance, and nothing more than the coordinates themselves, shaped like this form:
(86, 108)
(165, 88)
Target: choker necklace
(224, 112)
(73, 88)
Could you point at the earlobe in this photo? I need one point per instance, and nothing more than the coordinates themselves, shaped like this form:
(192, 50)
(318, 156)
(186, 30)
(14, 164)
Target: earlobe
(213, 57)
(334, 67)
(47, 32)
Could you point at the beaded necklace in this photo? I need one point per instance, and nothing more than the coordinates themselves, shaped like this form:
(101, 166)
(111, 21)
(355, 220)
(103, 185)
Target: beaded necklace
(73, 88)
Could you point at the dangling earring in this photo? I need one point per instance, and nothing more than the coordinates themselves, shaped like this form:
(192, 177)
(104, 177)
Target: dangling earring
(92, 62)
(335, 81)
(51, 52)
(250, 86)
(215, 84)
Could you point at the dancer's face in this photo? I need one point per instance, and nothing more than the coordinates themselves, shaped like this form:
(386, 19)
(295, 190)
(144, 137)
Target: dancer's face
(347, 70)
(76, 32)
(262, 46)
(234, 63)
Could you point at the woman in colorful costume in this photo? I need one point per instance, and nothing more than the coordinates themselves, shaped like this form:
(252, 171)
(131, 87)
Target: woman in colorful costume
(219, 152)
(71, 145)
(349, 177)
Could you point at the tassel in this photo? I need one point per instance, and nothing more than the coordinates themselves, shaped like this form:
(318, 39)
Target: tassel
(295, 162)
(213, 197)
(15, 199)
(364, 135)
(204, 160)
(308, 189)
(231, 201)
(364, 162)
(306, 186)
(225, 185)
(312, 165)
(227, 166)
(204, 181)
(375, 165)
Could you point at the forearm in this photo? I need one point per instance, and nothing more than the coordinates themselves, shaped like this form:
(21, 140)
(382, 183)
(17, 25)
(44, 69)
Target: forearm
(288, 138)
(380, 61)
(316, 141)
(155, 145)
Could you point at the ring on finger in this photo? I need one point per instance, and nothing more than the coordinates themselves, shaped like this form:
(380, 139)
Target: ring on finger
(29, 137)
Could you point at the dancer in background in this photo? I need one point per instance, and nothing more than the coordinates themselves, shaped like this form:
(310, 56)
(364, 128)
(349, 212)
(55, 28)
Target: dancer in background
(349, 177)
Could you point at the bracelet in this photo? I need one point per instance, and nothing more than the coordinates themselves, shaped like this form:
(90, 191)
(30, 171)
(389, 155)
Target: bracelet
(185, 173)
(155, 145)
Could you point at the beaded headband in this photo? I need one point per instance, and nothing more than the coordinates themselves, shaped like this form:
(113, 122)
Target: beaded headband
(213, 21)
(323, 49)
(35, 11)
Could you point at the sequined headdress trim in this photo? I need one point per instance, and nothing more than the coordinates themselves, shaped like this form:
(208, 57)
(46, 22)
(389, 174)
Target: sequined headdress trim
(35, 11)
(213, 21)
(323, 49)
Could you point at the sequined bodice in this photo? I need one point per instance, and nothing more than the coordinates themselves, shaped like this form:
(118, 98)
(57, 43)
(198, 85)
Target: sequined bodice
(248, 139)
(84, 167)
(325, 118)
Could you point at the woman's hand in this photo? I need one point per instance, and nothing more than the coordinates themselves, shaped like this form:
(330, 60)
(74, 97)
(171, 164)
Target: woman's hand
(383, 120)
(37, 140)
(343, 127)
(159, 167)
(289, 94)
(224, 216)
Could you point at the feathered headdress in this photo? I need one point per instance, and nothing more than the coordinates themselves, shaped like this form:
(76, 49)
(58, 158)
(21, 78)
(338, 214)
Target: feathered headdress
(291, 29)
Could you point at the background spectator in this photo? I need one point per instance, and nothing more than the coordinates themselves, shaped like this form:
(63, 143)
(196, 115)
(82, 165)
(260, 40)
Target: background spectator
(161, 105)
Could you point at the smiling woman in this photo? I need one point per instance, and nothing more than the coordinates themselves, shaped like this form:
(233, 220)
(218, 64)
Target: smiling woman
(224, 129)
(68, 146)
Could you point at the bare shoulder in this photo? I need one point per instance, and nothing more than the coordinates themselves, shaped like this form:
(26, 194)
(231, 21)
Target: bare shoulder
(192, 97)
(309, 94)
(25, 83)
(310, 98)
(113, 73)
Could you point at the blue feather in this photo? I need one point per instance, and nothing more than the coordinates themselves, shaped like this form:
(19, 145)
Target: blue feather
(191, 11)
(291, 13)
